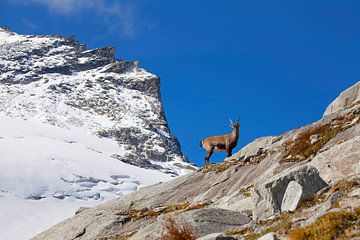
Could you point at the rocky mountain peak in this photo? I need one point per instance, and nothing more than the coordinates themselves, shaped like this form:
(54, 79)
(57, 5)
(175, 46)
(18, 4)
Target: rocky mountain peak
(58, 81)
(77, 126)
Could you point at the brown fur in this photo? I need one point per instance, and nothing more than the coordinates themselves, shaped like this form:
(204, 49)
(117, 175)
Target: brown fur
(221, 143)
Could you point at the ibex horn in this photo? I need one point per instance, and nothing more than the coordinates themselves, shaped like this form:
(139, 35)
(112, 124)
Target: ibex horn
(237, 120)
(231, 122)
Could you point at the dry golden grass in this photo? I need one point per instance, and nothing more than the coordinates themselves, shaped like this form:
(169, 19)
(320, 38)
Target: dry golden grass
(180, 230)
(219, 167)
(195, 206)
(135, 214)
(317, 199)
(301, 148)
(282, 226)
(246, 191)
(246, 233)
(243, 231)
(333, 225)
(345, 186)
(121, 237)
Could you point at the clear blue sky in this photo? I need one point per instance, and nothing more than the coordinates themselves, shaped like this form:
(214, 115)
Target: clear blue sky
(278, 64)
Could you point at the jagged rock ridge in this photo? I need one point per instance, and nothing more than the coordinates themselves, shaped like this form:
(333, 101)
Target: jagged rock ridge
(56, 80)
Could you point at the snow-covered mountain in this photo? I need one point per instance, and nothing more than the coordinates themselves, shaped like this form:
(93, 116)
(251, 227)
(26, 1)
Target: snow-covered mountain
(77, 126)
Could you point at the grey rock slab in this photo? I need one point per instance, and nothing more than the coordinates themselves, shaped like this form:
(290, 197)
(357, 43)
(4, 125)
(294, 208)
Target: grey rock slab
(212, 220)
(256, 147)
(234, 203)
(292, 197)
(202, 221)
(338, 162)
(268, 197)
(149, 232)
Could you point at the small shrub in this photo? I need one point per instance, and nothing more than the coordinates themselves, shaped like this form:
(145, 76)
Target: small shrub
(180, 230)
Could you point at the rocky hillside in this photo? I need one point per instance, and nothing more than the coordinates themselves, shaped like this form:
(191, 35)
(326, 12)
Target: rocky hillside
(303, 184)
(59, 82)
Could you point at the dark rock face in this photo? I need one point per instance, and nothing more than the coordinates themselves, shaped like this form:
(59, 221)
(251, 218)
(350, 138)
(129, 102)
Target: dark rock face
(57, 80)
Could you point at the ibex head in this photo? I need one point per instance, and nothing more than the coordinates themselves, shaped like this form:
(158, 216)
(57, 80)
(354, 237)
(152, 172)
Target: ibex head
(236, 125)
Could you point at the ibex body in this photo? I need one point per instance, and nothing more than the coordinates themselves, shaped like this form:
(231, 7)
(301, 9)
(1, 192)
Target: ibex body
(221, 143)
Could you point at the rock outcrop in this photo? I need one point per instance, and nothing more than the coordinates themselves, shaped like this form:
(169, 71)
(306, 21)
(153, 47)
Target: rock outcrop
(284, 191)
(202, 221)
(281, 184)
(347, 98)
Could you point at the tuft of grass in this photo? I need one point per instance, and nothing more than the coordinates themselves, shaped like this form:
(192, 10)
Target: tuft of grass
(252, 236)
(282, 225)
(301, 148)
(219, 167)
(312, 202)
(244, 231)
(345, 186)
(120, 237)
(222, 166)
(332, 225)
(246, 191)
(175, 207)
(180, 230)
(135, 214)
(195, 206)
(262, 154)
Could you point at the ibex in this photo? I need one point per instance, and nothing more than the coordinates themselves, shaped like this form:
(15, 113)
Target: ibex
(221, 143)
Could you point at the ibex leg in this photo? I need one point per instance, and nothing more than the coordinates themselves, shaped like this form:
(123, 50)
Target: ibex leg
(208, 155)
(228, 152)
